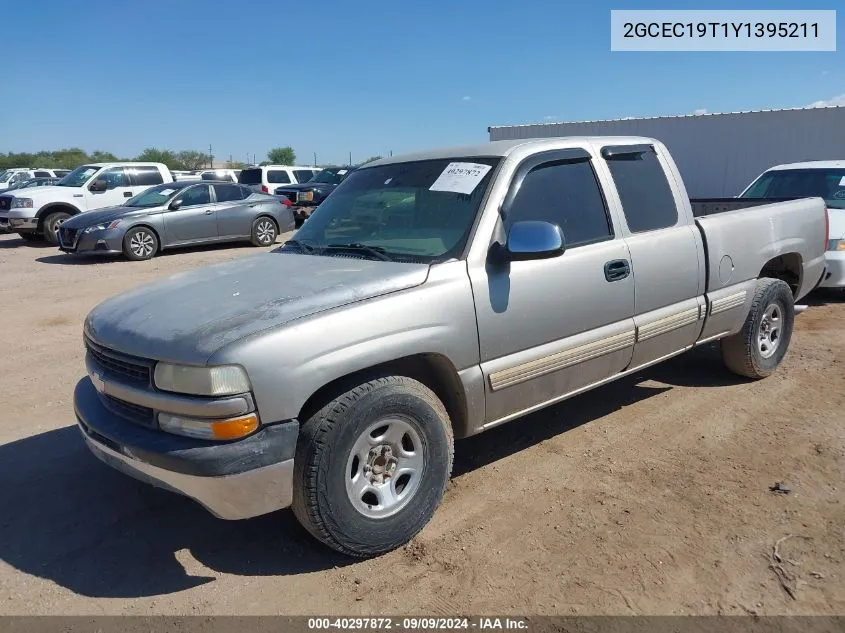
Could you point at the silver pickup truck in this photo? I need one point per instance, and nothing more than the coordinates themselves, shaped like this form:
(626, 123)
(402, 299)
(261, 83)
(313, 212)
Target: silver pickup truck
(430, 297)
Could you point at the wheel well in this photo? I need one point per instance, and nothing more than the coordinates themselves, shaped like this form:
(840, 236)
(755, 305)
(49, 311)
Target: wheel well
(786, 267)
(151, 228)
(44, 212)
(433, 370)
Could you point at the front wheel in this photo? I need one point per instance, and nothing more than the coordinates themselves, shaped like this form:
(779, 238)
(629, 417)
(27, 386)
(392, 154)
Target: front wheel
(264, 232)
(29, 237)
(51, 226)
(759, 347)
(140, 243)
(372, 465)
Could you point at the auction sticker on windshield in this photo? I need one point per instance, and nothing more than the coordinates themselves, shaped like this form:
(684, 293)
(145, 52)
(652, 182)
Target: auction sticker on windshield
(460, 177)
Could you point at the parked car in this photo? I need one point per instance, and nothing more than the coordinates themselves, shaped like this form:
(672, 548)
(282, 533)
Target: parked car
(177, 214)
(822, 179)
(266, 178)
(39, 212)
(220, 175)
(305, 197)
(12, 177)
(185, 175)
(430, 297)
(33, 182)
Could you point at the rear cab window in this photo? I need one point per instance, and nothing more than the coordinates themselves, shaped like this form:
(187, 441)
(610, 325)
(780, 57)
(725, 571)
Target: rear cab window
(145, 176)
(647, 200)
(250, 176)
(278, 177)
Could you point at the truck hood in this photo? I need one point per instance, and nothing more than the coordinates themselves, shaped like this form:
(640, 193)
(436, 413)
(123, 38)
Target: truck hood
(40, 195)
(108, 214)
(188, 317)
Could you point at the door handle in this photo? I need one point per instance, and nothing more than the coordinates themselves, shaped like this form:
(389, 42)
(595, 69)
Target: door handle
(127, 194)
(208, 211)
(617, 269)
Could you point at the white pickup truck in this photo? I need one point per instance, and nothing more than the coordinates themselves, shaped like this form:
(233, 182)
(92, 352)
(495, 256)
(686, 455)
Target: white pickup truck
(35, 213)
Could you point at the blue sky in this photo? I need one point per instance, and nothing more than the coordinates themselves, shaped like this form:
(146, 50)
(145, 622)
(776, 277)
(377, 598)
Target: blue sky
(366, 77)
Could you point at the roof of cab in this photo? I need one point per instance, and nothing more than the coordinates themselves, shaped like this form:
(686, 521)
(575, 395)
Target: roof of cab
(503, 148)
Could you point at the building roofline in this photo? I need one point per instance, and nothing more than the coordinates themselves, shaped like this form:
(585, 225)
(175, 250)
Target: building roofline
(668, 116)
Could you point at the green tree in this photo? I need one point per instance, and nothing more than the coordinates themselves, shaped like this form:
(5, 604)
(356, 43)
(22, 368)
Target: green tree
(264, 163)
(192, 160)
(155, 155)
(99, 156)
(282, 156)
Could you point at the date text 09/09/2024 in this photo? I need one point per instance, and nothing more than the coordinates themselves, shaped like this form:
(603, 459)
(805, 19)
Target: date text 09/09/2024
(418, 623)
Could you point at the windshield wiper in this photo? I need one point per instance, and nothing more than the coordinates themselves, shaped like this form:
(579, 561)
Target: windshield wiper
(373, 251)
(305, 248)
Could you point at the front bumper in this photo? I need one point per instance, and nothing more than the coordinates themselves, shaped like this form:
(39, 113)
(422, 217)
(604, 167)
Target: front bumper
(834, 276)
(103, 242)
(233, 480)
(12, 223)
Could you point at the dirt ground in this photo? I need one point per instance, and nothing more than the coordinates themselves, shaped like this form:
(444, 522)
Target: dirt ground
(648, 496)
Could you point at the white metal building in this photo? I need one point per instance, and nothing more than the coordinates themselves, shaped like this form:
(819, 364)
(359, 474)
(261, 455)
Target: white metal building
(718, 154)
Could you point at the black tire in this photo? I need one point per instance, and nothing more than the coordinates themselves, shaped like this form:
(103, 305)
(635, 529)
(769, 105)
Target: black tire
(264, 231)
(30, 237)
(51, 225)
(140, 243)
(324, 453)
(755, 351)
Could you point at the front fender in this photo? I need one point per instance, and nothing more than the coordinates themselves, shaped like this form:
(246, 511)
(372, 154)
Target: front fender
(287, 365)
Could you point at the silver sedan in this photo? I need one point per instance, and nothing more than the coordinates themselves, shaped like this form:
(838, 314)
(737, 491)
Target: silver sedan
(176, 214)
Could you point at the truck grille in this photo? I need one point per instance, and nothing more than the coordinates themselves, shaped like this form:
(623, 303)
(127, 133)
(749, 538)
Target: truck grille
(132, 412)
(135, 370)
(5, 203)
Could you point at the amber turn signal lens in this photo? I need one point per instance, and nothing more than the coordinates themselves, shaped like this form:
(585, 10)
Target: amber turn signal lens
(233, 429)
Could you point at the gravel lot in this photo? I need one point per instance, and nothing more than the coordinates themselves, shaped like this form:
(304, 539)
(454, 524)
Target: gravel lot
(648, 496)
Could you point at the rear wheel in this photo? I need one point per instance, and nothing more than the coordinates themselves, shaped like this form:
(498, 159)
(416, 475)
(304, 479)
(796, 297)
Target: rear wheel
(758, 349)
(51, 225)
(140, 243)
(264, 231)
(371, 466)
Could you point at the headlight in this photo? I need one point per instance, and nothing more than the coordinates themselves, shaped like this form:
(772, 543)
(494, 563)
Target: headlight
(21, 203)
(223, 380)
(104, 226)
(836, 245)
(305, 196)
(229, 429)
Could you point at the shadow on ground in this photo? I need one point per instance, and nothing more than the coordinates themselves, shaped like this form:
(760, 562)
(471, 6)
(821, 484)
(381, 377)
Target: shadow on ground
(68, 518)
(19, 242)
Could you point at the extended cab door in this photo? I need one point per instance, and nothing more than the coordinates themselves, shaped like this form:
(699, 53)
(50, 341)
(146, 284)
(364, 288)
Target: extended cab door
(552, 326)
(667, 254)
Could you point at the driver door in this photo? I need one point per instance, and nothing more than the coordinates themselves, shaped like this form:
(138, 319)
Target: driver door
(118, 189)
(550, 327)
(195, 220)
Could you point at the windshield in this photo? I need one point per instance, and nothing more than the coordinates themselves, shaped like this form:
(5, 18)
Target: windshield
(413, 211)
(154, 196)
(330, 176)
(801, 183)
(78, 176)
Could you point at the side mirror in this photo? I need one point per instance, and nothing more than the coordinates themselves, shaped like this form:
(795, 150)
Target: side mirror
(175, 205)
(98, 185)
(534, 240)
